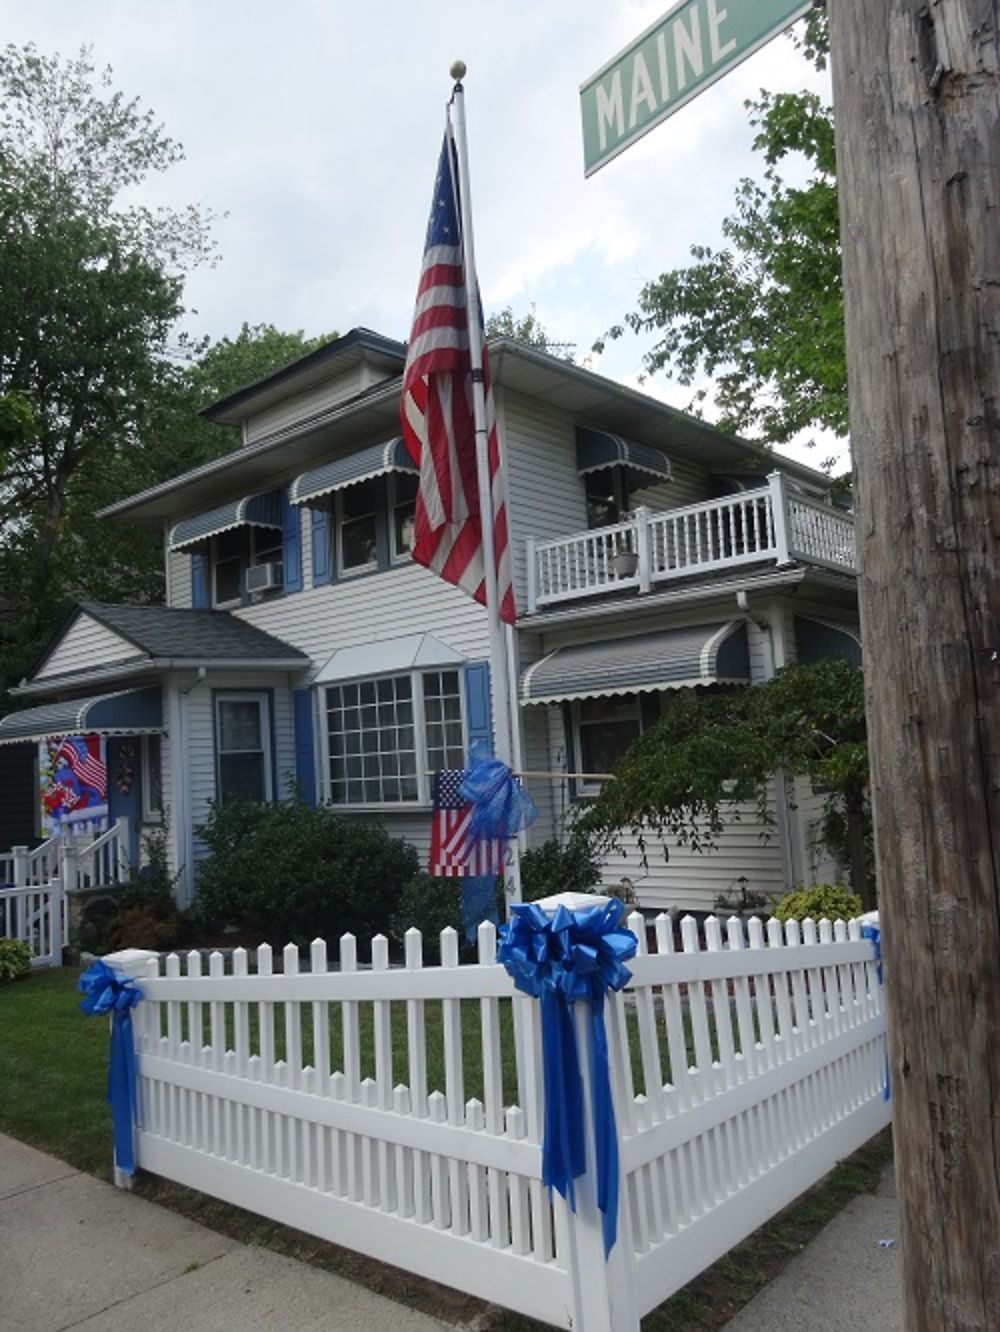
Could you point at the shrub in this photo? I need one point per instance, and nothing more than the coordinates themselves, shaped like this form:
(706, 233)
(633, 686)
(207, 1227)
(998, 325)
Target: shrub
(290, 873)
(141, 914)
(429, 905)
(15, 960)
(823, 901)
(552, 868)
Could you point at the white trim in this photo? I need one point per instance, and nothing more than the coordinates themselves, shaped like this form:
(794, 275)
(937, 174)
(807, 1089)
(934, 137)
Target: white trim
(147, 813)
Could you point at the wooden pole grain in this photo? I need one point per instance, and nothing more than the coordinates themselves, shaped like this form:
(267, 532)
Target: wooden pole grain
(917, 106)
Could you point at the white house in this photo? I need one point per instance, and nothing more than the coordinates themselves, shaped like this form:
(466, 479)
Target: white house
(299, 642)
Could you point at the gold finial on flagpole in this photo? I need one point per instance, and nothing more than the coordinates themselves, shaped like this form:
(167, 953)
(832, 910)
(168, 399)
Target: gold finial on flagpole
(457, 70)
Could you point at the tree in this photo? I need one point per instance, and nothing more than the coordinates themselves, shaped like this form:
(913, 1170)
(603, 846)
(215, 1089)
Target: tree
(764, 315)
(917, 96)
(712, 750)
(527, 329)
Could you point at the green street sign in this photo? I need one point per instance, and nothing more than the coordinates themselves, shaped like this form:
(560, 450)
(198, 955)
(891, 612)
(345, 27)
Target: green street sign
(678, 57)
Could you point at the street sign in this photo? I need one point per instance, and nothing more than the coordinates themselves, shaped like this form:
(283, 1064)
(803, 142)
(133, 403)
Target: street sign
(678, 57)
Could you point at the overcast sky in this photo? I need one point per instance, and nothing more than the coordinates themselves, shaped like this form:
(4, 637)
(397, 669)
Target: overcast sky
(315, 125)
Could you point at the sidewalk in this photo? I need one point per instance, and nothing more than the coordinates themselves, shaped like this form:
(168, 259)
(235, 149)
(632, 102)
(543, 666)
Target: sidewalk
(77, 1253)
(843, 1281)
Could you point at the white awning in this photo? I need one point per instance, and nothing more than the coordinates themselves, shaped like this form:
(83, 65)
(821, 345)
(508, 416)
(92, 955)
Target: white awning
(414, 652)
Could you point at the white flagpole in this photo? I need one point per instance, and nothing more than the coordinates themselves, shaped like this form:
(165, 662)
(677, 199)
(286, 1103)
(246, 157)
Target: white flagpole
(503, 723)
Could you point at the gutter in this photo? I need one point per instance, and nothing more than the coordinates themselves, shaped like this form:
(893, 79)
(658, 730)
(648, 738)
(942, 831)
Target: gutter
(156, 665)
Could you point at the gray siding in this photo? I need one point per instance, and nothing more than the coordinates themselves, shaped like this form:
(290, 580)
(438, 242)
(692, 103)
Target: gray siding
(305, 404)
(88, 644)
(178, 578)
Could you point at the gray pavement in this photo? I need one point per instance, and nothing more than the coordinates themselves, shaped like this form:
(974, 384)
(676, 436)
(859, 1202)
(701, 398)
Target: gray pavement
(77, 1253)
(845, 1280)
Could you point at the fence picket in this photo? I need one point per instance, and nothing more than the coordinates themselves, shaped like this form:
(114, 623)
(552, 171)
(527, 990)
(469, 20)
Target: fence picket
(489, 1020)
(454, 1082)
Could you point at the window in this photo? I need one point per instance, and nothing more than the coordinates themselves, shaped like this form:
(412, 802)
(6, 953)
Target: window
(229, 553)
(607, 496)
(267, 547)
(402, 507)
(603, 729)
(357, 525)
(385, 735)
(243, 746)
(152, 779)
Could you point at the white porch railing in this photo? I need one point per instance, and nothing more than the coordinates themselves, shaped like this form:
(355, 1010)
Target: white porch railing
(759, 1055)
(769, 524)
(35, 883)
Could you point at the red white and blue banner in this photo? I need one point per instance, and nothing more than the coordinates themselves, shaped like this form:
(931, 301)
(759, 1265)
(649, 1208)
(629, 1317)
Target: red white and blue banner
(73, 784)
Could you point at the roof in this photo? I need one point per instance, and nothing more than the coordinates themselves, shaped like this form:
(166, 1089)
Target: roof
(167, 637)
(373, 415)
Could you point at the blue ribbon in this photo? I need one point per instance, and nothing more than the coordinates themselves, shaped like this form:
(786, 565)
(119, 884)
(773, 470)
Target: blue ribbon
(106, 992)
(559, 959)
(500, 806)
(874, 936)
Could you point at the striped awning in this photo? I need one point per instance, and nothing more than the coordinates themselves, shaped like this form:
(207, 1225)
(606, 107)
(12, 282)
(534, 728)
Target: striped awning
(376, 460)
(599, 448)
(125, 712)
(818, 640)
(251, 511)
(698, 654)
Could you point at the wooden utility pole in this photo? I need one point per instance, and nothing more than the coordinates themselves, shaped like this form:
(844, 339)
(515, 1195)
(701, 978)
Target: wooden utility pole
(917, 104)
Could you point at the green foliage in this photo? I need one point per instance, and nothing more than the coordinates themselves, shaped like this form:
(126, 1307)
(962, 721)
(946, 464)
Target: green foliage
(714, 749)
(527, 329)
(552, 868)
(763, 316)
(15, 960)
(823, 901)
(289, 873)
(142, 914)
(430, 906)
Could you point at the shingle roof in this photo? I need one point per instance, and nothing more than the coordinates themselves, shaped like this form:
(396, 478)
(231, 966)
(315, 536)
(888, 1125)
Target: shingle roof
(202, 635)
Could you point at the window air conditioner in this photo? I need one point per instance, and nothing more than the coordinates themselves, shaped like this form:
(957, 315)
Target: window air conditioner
(264, 577)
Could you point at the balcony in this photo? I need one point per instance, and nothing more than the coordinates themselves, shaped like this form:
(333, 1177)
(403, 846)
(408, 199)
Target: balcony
(772, 525)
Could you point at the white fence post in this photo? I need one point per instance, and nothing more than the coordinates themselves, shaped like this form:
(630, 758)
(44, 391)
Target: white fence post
(19, 855)
(779, 516)
(134, 963)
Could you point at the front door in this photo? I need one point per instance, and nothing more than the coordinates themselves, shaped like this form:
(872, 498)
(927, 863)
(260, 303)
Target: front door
(124, 786)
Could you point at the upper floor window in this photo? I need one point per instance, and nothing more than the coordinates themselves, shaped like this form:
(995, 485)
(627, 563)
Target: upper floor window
(233, 553)
(402, 508)
(607, 496)
(357, 510)
(385, 736)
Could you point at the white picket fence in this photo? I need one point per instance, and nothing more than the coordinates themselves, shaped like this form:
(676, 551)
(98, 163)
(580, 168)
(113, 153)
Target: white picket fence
(744, 1067)
(36, 885)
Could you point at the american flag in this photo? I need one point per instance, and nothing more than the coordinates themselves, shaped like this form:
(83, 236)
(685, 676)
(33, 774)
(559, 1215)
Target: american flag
(437, 415)
(84, 762)
(451, 854)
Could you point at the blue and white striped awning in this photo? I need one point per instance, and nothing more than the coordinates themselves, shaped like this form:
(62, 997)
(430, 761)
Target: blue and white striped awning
(699, 654)
(251, 511)
(124, 712)
(599, 448)
(376, 460)
(817, 640)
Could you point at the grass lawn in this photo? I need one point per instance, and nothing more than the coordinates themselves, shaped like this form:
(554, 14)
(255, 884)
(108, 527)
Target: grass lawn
(53, 1070)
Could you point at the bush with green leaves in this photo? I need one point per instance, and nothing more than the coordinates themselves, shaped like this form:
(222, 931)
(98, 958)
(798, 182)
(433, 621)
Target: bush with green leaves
(143, 913)
(15, 960)
(552, 868)
(430, 906)
(823, 901)
(290, 873)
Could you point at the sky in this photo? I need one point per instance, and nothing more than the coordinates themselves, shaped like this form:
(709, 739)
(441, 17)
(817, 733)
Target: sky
(312, 127)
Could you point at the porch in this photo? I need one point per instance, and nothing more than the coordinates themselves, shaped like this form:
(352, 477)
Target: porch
(770, 525)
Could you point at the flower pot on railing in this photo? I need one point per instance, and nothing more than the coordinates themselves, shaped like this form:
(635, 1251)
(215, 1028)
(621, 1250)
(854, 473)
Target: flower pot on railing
(625, 563)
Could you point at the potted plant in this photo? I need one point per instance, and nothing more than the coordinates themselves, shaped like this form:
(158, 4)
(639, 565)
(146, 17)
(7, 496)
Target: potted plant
(624, 561)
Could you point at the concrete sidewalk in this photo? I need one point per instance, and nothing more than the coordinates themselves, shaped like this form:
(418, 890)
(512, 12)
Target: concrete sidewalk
(846, 1280)
(77, 1253)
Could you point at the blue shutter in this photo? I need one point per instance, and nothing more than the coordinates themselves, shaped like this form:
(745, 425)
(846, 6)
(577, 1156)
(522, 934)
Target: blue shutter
(199, 581)
(478, 717)
(305, 766)
(291, 548)
(321, 545)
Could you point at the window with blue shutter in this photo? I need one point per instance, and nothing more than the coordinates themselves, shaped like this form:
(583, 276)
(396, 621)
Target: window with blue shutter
(321, 552)
(305, 763)
(478, 716)
(291, 548)
(199, 580)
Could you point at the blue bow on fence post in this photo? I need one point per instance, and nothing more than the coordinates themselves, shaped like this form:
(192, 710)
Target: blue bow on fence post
(108, 993)
(560, 958)
(874, 936)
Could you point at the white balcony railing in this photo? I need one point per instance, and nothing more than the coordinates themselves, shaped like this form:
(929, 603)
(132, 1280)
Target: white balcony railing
(766, 525)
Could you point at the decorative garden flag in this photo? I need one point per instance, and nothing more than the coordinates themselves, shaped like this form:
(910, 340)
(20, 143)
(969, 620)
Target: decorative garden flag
(73, 784)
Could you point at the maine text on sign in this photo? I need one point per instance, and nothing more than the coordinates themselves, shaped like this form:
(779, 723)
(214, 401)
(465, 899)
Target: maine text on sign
(679, 56)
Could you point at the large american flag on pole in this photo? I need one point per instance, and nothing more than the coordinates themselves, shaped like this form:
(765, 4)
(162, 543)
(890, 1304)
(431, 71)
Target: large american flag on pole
(437, 412)
(452, 854)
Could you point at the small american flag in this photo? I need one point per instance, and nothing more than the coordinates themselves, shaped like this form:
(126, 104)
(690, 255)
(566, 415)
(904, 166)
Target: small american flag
(84, 762)
(451, 854)
(437, 415)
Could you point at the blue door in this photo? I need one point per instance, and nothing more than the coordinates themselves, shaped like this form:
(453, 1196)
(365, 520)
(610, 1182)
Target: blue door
(124, 789)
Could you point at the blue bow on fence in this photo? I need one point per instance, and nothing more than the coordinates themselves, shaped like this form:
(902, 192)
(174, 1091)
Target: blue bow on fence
(558, 959)
(500, 806)
(107, 992)
(874, 936)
